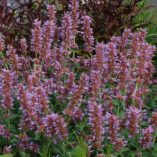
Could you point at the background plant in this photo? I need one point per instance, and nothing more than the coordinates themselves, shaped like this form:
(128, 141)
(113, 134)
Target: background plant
(109, 17)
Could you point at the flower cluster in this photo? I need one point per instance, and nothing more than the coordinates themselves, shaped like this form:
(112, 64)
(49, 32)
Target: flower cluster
(74, 7)
(1, 45)
(88, 34)
(96, 122)
(25, 143)
(37, 34)
(51, 13)
(113, 127)
(147, 139)
(77, 96)
(54, 125)
(53, 91)
(133, 116)
(7, 86)
(4, 132)
(23, 44)
(153, 120)
(68, 34)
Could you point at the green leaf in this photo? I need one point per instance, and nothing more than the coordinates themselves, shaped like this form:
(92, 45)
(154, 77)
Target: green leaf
(6, 155)
(79, 151)
(22, 154)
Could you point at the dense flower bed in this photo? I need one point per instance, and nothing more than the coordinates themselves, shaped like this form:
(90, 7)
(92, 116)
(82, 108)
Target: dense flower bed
(56, 96)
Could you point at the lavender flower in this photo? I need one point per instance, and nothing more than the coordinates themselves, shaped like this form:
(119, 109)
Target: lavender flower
(29, 117)
(120, 143)
(76, 98)
(4, 132)
(96, 83)
(42, 106)
(147, 140)
(74, 6)
(14, 58)
(100, 48)
(67, 33)
(7, 87)
(7, 150)
(34, 106)
(69, 84)
(133, 117)
(23, 44)
(96, 123)
(112, 55)
(51, 13)
(54, 126)
(113, 127)
(2, 46)
(37, 37)
(26, 144)
(153, 120)
(47, 38)
(88, 33)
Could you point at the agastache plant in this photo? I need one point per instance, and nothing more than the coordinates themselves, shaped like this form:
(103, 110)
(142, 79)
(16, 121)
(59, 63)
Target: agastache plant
(7, 87)
(23, 44)
(74, 7)
(37, 37)
(53, 97)
(54, 125)
(112, 127)
(96, 122)
(25, 143)
(47, 38)
(67, 34)
(87, 33)
(4, 132)
(2, 46)
(147, 139)
(52, 13)
(153, 120)
(133, 117)
(77, 96)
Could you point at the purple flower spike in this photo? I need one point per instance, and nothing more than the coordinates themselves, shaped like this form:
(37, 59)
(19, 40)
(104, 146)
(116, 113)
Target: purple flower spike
(37, 36)
(133, 117)
(23, 44)
(47, 38)
(51, 13)
(113, 127)
(67, 32)
(55, 126)
(1, 45)
(7, 87)
(74, 6)
(96, 123)
(147, 139)
(88, 33)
